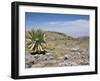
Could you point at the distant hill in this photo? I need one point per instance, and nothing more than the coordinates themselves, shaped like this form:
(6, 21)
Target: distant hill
(58, 41)
(56, 36)
(84, 38)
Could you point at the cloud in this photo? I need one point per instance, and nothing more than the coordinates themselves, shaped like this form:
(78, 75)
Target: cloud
(74, 23)
(74, 28)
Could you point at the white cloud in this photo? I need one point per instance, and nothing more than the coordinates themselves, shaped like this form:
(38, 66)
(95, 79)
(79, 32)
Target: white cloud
(81, 23)
(74, 28)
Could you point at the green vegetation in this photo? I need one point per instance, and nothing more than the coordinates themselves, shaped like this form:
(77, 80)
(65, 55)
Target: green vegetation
(35, 41)
(59, 49)
(40, 42)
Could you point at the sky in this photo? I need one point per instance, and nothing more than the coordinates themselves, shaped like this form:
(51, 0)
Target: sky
(70, 24)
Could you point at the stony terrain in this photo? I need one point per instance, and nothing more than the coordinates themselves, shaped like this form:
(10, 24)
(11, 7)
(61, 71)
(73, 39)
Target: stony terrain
(73, 57)
(62, 51)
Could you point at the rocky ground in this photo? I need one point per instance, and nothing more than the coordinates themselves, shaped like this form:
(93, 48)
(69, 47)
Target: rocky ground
(71, 57)
(62, 50)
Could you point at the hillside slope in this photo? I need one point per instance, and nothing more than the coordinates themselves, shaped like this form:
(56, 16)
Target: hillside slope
(62, 50)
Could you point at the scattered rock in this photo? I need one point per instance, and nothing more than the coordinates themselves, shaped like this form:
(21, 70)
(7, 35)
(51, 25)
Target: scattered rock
(72, 57)
(66, 57)
(74, 49)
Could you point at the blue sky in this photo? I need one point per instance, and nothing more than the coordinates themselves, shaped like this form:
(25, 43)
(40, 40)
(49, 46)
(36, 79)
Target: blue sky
(73, 25)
